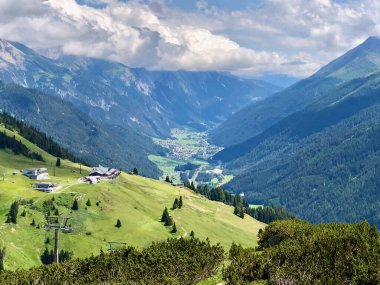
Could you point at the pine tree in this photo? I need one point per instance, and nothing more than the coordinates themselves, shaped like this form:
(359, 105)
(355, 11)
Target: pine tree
(58, 162)
(180, 202)
(88, 203)
(75, 205)
(175, 204)
(169, 221)
(165, 215)
(33, 223)
(167, 179)
(13, 213)
(118, 223)
(192, 235)
(174, 229)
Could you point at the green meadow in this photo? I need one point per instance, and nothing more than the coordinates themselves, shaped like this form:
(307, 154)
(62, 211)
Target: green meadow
(137, 201)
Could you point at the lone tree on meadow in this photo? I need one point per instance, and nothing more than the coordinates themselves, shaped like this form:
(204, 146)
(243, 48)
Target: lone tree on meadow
(167, 179)
(12, 215)
(175, 204)
(118, 223)
(192, 235)
(135, 171)
(58, 162)
(165, 215)
(88, 203)
(174, 229)
(75, 206)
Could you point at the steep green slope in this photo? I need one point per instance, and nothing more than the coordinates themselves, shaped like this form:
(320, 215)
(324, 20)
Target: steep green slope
(360, 62)
(77, 132)
(137, 201)
(321, 163)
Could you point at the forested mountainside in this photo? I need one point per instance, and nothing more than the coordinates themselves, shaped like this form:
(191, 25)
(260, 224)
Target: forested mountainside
(251, 121)
(78, 133)
(321, 163)
(151, 102)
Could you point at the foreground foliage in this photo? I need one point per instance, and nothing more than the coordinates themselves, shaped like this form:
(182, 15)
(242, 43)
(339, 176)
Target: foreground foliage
(172, 262)
(296, 252)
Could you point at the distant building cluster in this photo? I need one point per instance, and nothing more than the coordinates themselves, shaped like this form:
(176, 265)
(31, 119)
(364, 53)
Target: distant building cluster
(101, 173)
(95, 176)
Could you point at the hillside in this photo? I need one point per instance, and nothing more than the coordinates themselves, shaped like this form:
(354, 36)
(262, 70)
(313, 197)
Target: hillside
(321, 163)
(137, 201)
(151, 102)
(360, 62)
(88, 139)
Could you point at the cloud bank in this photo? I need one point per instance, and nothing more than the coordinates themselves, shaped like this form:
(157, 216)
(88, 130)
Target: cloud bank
(294, 37)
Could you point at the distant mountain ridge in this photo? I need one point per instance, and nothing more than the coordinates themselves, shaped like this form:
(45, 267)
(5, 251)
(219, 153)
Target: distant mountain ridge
(254, 119)
(151, 102)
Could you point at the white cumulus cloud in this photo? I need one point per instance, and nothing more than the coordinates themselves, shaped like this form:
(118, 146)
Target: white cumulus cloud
(294, 37)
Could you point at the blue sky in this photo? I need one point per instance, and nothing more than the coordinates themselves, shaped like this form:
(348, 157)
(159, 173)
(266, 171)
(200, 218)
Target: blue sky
(247, 38)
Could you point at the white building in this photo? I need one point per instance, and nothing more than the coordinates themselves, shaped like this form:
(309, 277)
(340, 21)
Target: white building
(36, 173)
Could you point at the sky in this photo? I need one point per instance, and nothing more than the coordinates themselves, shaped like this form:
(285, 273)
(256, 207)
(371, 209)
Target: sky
(243, 37)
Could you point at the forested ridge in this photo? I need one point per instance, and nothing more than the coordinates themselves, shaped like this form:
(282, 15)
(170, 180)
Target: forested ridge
(10, 142)
(36, 137)
(265, 214)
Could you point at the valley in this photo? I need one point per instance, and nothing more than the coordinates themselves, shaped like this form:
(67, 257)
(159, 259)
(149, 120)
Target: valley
(188, 157)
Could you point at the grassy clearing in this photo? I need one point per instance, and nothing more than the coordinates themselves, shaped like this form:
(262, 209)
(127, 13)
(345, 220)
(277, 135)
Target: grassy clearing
(137, 201)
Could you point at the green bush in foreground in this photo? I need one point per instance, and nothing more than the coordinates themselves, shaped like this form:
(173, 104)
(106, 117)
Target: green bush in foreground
(295, 252)
(175, 262)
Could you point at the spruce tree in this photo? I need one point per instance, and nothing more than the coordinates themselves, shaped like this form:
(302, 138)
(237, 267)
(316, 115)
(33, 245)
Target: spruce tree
(167, 179)
(192, 235)
(175, 204)
(75, 205)
(174, 229)
(135, 171)
(169, 221)
(165, 215)
(56, 212)
(88, 203)
(33, 223)
(13, 212)
(58, 162)
(118, 223)
(23, 214)
(180, 202)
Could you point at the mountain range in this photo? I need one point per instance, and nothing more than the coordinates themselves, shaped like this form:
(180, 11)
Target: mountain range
(318, 154)
(150, 102)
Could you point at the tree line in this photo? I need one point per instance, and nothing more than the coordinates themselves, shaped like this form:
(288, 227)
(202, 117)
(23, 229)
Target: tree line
(265, 214)
(17, 147)
(38, 138)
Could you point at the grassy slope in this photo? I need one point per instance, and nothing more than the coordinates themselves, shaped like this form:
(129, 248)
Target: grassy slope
(138, 202)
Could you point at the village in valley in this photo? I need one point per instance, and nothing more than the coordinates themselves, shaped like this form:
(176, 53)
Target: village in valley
(187, 159)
